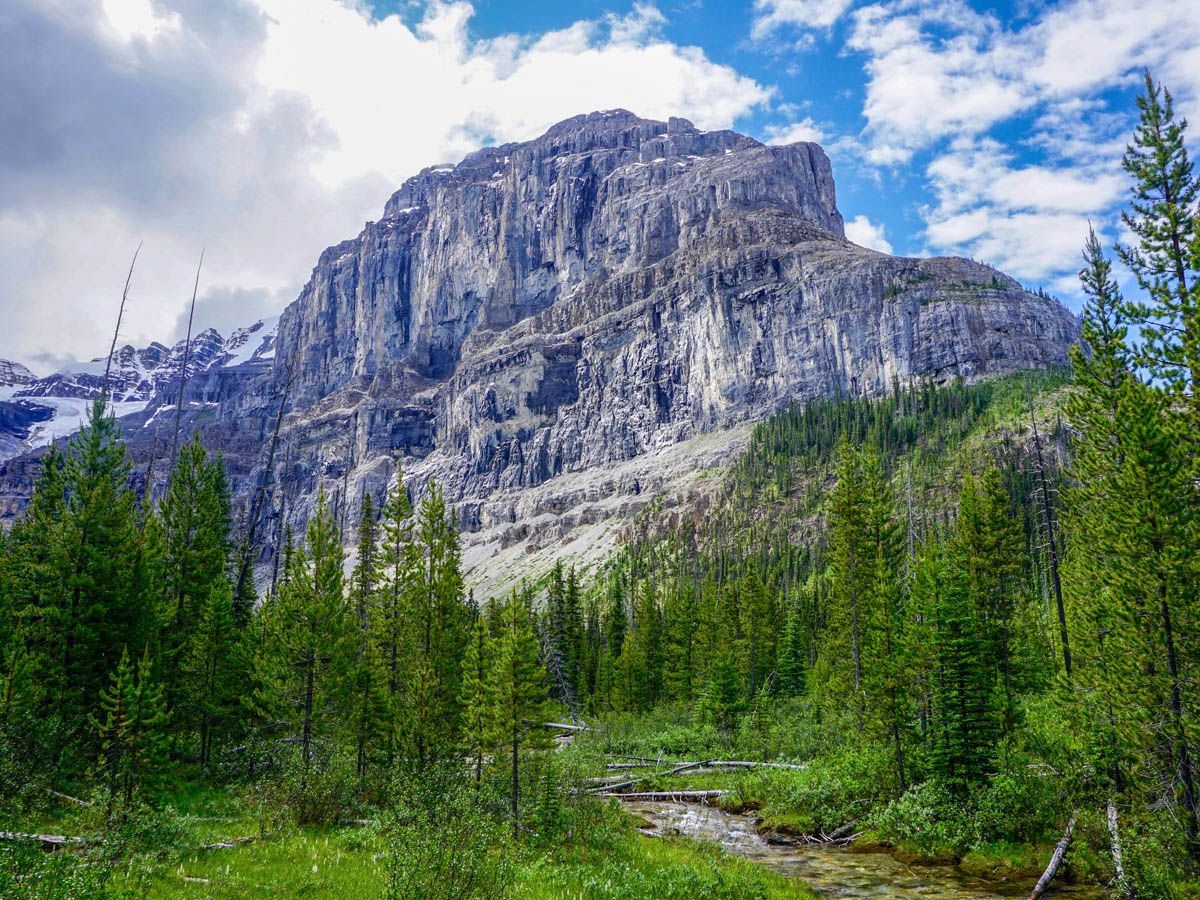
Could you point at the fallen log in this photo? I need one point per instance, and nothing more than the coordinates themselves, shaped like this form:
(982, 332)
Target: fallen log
(51, 843)
(1055, 861)
(632, 781)
(839, 833)
(70, 799)
(230, 844)
(700, 796)
(192, 879)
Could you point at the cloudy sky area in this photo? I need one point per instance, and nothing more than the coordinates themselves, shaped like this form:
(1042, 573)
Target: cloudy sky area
(264, 130)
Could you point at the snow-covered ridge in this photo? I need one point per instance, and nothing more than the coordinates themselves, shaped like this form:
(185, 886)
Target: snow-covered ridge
(35, 411)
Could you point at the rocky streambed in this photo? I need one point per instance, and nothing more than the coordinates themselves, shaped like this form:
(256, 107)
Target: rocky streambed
(833, 869)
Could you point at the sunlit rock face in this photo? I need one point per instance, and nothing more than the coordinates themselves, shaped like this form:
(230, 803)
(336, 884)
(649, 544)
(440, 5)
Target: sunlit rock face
(553, 309)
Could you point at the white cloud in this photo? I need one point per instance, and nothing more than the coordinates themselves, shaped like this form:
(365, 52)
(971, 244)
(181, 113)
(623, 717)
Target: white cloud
(942, 77)
(804, 130)
(866, 233)
(805, 15)
(264, 130)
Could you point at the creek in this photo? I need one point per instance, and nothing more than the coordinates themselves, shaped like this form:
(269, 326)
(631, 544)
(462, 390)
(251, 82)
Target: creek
(836, 870)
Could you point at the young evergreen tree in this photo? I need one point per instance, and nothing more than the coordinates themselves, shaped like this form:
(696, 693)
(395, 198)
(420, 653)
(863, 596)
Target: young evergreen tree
(95, 550)
(793, 653)
(965, 725)
(213, 673)
(131, 729)
(196, 526)
(310, 640)
(441, 622)
(393, 624)
(477, 694)
(989, 542)
(519, 693)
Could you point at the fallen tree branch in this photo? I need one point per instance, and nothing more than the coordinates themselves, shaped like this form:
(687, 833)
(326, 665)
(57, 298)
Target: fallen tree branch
(51, 843)
(70, 799)
(675, 771)
(1055, 861)
(700, 796)
(230, 844)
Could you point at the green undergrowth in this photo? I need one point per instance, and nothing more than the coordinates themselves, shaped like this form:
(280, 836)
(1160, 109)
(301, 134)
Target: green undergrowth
(429, 847)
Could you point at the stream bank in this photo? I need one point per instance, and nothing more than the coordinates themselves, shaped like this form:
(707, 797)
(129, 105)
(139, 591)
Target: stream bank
(834, 869)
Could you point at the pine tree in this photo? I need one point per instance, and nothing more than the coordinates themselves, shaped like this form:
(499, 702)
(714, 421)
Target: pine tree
(723, 699)
(213, 672)
(131, 732)
(393, 624)
(94, 551)
(519, 693)
(196, 528)
(793, 653)
(989, 542)
(310, 639)
(440, 618)
(758, 626)
(477, 695)
(1163, 217)
(366, 574)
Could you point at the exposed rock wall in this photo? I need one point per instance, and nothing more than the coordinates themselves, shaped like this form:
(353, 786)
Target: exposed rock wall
(602, 293)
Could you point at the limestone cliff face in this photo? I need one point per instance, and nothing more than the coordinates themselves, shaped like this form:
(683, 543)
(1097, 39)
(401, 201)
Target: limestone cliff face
(548, 311)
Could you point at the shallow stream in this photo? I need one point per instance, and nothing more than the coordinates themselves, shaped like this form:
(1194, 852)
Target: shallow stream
(835, 870)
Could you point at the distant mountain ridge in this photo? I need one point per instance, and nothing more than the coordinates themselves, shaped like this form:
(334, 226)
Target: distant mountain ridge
(34, 411)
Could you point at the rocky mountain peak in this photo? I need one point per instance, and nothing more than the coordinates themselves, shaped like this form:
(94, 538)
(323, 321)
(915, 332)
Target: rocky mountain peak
(555, 330)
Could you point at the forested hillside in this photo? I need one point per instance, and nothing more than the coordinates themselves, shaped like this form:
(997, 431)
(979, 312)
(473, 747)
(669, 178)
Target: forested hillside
(956, 623)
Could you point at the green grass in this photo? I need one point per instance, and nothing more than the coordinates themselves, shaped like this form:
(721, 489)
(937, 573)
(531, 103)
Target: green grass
(352, 862)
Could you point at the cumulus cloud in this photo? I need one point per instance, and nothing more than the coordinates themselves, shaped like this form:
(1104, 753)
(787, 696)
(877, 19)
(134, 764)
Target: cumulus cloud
(804, 130)
(866, 233)
(805, 15)
(942, 77)
(262, 131)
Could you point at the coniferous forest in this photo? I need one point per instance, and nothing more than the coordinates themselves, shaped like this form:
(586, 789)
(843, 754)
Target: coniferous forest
(957, 623)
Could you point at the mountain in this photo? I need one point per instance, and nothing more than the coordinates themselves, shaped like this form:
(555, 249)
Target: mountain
(559, 329)
(35, 411)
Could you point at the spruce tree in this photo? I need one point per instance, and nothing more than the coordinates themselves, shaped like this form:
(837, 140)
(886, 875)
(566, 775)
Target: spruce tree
(965, 723)
(213, 672)
(393, 624)
(95, 550)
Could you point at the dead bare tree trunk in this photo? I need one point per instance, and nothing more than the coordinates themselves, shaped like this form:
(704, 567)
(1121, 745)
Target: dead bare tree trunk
(1055, 861)
(1121, 882)
(116, 331)
(241, 602)
(183, 373)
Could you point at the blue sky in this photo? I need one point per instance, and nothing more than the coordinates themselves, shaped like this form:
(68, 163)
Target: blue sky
(265, 130)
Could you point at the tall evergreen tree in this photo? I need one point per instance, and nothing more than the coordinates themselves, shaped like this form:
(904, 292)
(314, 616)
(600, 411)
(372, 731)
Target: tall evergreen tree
(1163, 217)
(310, 640)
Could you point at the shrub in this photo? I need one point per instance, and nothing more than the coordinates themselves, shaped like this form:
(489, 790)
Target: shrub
(1022, 805)
(444, 839)
(927, 819)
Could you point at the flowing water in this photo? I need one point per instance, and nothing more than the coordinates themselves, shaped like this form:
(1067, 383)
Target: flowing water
(837, 871)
